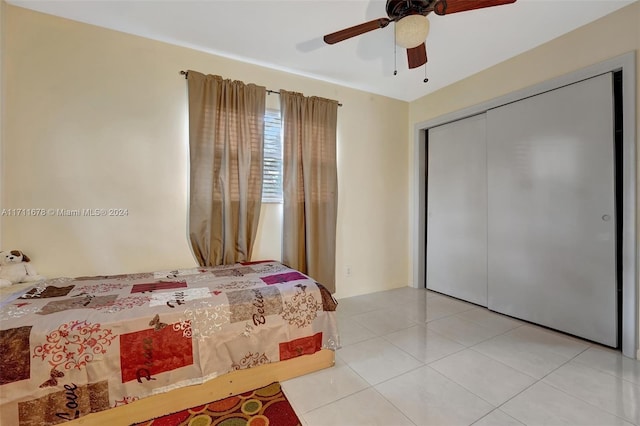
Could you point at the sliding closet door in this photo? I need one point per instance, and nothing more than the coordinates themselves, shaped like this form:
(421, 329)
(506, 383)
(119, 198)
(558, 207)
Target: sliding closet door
(551, 235)
(457, 210)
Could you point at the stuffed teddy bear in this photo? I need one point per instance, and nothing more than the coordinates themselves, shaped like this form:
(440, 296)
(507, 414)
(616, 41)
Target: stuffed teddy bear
(15, 268)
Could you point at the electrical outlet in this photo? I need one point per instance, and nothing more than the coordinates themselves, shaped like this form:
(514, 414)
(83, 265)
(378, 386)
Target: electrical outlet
(347, 270)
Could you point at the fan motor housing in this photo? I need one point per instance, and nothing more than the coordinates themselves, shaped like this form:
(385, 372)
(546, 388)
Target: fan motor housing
(398, 9)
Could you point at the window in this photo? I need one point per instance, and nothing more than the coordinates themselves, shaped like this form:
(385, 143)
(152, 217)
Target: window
(272, 167)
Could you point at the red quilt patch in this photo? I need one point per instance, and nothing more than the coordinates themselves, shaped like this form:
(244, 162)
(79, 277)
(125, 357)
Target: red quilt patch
(303, 346)
(146, 353)
(163, 285)
(283, 278)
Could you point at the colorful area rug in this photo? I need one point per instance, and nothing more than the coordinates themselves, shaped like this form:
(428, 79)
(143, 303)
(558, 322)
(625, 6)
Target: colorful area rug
(260, 407)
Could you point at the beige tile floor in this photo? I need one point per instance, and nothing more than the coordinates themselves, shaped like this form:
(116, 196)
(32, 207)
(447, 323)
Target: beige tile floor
(414, 357)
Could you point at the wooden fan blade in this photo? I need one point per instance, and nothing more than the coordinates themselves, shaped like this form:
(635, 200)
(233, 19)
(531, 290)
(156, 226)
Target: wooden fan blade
(417, 56)
(356, 30)
(446, 7)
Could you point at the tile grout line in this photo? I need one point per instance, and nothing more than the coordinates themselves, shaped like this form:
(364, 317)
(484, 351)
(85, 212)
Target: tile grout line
(370, 386)
(560, 390)
(589, 346)
(392, 378)
(517, 370)
(495, 409)
(608, 373)
(539, 380)
(373, 387)
(575, 396)
(385, 337)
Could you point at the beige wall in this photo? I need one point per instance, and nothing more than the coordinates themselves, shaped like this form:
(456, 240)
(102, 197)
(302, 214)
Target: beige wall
(2, 85)
(95, 118)
(611, 36)
(603, 39)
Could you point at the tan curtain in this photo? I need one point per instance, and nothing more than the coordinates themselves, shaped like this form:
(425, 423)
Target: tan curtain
(310, 185)
(226, 131)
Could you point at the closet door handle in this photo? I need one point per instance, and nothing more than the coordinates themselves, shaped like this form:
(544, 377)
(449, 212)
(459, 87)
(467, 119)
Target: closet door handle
(606, 217)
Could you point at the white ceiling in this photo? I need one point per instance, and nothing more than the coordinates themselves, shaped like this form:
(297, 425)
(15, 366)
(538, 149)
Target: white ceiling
(287, 35)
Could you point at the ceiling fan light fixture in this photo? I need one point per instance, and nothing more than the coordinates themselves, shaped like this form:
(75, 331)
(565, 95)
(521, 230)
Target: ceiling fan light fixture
(411, 31)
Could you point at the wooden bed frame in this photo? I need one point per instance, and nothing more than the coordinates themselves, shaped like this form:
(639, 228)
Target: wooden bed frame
(229, 384)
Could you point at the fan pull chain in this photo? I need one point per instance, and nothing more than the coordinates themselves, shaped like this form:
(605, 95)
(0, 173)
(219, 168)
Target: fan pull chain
(425, 74)
(395, 51)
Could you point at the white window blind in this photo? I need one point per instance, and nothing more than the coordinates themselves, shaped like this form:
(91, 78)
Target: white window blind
(272, 168)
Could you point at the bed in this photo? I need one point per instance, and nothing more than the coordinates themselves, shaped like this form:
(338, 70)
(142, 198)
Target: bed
(124, 348)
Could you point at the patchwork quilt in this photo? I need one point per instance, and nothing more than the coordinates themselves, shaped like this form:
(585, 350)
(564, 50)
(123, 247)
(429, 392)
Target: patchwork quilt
(72, 346)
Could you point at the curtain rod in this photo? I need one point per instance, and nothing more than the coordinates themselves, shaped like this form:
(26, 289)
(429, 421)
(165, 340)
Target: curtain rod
(269, 91)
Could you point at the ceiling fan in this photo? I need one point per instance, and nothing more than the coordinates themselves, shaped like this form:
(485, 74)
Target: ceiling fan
(411, 24)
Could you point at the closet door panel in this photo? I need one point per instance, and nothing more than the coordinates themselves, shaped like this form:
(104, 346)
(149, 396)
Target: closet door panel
(551, 218)
(457, 210)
